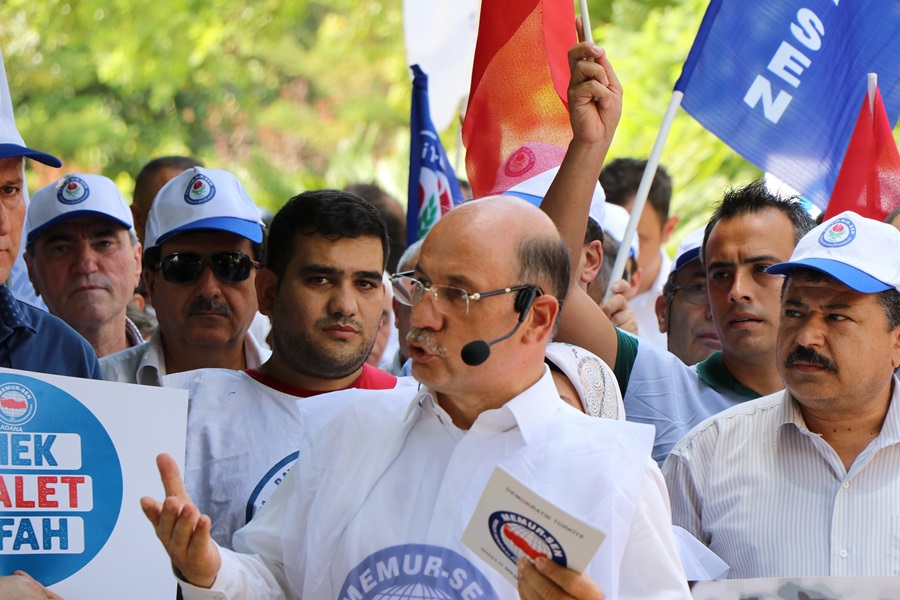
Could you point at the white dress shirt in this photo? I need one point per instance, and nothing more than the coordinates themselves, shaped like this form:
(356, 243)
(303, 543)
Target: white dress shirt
(146, 364)
(773, 499)
(381, 495)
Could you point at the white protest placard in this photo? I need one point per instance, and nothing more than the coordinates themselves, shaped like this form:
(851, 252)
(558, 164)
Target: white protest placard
(511, 521)
(76, 456)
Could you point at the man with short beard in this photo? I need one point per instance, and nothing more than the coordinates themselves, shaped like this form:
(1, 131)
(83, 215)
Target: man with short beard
(322, 288)
(202, 246)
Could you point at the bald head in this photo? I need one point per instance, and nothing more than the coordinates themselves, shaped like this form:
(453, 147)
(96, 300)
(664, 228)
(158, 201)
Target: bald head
(512, 233)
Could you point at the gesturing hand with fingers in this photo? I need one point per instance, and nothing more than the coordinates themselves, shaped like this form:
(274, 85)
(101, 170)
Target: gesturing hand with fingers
(182, 529)
(546, 580)
(595, 94)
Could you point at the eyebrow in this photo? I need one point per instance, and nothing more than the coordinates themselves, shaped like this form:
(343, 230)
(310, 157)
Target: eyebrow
(747, 261)
(64, 235)
(832, 306)
(316, 269)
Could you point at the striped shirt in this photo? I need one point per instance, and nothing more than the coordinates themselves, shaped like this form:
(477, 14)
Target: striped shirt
(773, 499)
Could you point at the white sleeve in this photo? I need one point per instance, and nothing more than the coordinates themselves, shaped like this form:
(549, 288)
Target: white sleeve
(256, 570)
(651, 567)
(241, 577)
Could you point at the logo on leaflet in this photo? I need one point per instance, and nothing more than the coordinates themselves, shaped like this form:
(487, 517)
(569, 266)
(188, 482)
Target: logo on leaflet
(519, 536)
(17, 404)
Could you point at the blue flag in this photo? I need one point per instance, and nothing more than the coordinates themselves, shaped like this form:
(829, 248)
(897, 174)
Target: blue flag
(781, 81)
(433, 189)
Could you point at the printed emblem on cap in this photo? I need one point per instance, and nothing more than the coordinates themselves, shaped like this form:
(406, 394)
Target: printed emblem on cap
(840, 233)
(199, 190)
(74, 191)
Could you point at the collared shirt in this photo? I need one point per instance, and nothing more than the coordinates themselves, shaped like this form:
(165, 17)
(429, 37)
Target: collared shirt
(713, 372)
(33, 340)
(395, 483)
(133, 334)
(146, 364)
(644, 305)
(773, 499)
(660, 390)
(229, 472)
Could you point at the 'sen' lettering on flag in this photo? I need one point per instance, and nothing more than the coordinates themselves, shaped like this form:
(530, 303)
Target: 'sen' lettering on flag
(781, 81)
(433, 189)
(517, 123)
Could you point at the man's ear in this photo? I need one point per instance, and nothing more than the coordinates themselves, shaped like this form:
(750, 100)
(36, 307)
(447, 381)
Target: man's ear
(895, 347)
(149, 277)
(593, 260)
(662, 313)
(30, 265)
(137, 249)
(668, 228)
(636, 276)
(266, 288)
(541, 318)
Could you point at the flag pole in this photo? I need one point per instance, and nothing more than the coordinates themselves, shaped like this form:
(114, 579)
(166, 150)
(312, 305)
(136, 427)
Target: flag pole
(643, 191)
(872, 85)
(586, 22)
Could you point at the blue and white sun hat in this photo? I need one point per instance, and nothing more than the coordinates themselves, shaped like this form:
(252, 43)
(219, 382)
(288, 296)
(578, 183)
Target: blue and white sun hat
(202, 198)
(861, 253)
(75, 195)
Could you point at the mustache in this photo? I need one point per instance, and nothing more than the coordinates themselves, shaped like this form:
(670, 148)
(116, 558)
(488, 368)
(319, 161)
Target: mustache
(423, 337)
(330, 321)
(207, 305)
(810, 356)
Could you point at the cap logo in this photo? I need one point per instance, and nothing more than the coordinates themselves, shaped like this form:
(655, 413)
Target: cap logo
(840, 233)
(74, 191)
(199, 190)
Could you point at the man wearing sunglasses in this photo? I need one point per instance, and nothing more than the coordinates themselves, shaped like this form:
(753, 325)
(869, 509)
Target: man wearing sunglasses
(84, 259)
(203, 244)
(683, 307)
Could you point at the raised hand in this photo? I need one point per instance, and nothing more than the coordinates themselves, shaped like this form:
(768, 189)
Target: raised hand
(595, 94)
(182, 529)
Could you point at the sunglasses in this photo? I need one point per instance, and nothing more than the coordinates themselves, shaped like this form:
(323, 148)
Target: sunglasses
(186, 267)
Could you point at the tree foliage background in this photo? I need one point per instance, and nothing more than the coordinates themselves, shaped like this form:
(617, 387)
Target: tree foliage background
(301, 94)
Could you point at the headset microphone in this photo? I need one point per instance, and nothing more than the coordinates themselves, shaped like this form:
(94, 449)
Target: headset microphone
(475, 353)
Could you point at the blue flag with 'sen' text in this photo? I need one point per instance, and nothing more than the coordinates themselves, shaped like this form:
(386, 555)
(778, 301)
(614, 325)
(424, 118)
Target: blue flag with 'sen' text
(433, 188)
(781, 81)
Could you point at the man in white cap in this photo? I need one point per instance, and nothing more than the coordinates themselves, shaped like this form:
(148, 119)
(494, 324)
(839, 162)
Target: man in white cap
(30, 339)
(84, 259)
(803, 483)
(203, 244)
(682, 309)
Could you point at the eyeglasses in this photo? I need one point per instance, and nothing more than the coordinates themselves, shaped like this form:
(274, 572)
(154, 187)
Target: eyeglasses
(448, 300)
(186, 267)
(695, 292)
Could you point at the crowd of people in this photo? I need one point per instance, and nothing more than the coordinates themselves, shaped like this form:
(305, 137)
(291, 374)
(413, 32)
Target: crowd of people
(739, 393)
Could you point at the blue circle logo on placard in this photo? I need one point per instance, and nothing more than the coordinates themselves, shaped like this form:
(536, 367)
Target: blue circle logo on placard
(840, 233)
(74, 191)
(200, 189)
(519, 536)
(61, 483)
(17, 404)
(416, 572)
